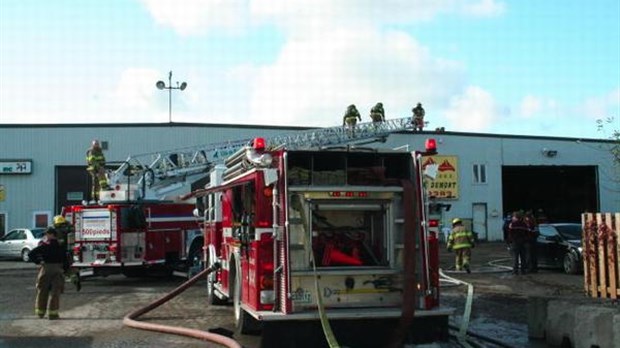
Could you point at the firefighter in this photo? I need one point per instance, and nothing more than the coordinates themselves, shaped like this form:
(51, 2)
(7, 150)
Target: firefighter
(50, 257)
(377, 114)
(96, 169)
(518, 235)
(418, 117)
(351, 117)
(461, 241)
(65, 234)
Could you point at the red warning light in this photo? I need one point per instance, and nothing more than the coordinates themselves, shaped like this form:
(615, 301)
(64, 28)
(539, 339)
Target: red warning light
(433, 223)
(431, 145)
(259, 143)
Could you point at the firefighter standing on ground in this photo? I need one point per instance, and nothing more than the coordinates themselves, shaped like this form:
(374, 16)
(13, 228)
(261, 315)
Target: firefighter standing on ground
(461, 241)
(50, 257)
(96, 169)
(518, 234)
(66, 236)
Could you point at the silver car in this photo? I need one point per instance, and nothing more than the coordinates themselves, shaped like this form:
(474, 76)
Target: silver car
(18, 242)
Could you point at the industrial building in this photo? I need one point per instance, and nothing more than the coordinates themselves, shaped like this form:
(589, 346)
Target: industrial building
(481, 176)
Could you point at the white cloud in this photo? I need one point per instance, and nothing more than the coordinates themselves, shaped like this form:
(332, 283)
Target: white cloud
(530, 105)
(190, 17)
(474, 110)
(313, 80)
(602, 106)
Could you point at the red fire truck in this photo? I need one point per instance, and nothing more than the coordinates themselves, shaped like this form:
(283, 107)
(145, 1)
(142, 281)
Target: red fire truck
(329, 235)
(134, 238)
(139, 225)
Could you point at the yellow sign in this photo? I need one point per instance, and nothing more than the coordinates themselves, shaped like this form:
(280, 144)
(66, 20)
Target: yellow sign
(446, 183)
(1, 193)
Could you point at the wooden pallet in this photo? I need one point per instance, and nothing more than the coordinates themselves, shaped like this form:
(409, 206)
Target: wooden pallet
(601, 254)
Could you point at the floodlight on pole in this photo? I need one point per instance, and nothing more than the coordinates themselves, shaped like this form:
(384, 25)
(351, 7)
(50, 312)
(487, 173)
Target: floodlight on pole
(161, 85)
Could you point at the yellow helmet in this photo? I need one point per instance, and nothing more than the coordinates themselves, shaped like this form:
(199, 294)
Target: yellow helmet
(456, 221)
(59, 219)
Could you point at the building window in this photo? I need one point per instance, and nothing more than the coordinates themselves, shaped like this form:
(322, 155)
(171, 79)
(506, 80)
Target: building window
(42, 219)
(480, 174)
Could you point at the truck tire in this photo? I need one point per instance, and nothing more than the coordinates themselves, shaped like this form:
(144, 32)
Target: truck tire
(194, 259)
(244, 322)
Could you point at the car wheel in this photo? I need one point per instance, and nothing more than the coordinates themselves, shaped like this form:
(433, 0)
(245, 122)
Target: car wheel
(571, 263)
(25, 257)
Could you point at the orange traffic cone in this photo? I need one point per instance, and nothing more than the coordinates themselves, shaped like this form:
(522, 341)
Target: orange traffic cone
(337, 257)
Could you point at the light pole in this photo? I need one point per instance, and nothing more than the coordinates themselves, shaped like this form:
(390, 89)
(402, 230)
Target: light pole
(161, 85)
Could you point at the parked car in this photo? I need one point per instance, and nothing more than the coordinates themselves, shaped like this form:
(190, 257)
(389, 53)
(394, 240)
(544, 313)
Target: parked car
(18, 242)
(559, 246)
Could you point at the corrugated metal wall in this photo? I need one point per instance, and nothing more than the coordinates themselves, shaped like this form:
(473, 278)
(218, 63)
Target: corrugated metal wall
(51, 145)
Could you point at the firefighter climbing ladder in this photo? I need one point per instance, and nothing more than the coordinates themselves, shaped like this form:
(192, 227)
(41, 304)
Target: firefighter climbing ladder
(165, 171)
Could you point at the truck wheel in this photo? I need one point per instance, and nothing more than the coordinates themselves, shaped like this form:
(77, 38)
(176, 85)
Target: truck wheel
(244, 322)
(194, 259)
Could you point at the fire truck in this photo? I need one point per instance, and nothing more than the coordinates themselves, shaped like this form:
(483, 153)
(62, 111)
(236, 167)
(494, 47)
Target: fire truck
(302, 233)
(137, 226)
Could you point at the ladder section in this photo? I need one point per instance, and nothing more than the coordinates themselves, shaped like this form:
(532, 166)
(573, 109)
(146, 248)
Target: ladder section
(159, 168)
(322, 137)
(167, 170)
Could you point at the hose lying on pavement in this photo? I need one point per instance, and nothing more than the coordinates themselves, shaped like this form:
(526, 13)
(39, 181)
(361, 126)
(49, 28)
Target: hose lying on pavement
(130, 319)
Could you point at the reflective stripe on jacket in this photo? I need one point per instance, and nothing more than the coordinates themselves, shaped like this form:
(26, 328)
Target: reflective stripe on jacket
(460, 238)
(95, 158)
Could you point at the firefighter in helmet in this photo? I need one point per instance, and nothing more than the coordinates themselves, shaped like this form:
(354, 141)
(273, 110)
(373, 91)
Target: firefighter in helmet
(377, 114)
(351, 116)
(418, 117)
(96, 169)
(65, 234)
(461, 241)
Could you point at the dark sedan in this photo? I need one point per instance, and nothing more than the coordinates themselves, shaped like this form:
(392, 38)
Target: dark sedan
(559, 246)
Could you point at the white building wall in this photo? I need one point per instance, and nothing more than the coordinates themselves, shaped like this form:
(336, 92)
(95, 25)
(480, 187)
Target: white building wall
(51, 145)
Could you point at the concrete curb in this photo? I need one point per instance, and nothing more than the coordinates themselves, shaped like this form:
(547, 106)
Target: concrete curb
(580, 323)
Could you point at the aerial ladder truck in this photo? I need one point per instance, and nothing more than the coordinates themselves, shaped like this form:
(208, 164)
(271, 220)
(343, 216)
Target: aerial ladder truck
(138, 226)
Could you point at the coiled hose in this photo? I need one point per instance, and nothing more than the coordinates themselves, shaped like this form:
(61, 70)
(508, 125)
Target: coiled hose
(130, 319)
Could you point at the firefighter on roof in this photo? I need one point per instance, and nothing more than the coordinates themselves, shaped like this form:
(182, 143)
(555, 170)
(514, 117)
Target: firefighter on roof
(96, 169)
(65, 234)
(377, 114)
(461, 241)
(418, 117)
(351, 116)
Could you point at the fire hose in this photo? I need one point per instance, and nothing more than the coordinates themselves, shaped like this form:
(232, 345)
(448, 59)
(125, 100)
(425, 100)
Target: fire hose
(130, 319)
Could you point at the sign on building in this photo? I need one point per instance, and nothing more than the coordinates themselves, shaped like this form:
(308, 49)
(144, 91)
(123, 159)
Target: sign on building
(446, 183)
(16, 167)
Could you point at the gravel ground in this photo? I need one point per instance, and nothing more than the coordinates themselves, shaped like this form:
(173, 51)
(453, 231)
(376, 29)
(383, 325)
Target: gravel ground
(93, 317)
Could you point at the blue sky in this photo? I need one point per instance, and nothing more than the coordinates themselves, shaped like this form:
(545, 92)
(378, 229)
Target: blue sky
(525, 67)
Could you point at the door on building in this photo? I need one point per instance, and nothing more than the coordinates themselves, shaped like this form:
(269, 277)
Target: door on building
(72, 186)
(479, 220)
(562, 192)
(2, 224)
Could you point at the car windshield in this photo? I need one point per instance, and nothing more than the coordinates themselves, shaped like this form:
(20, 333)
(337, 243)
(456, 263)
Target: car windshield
(571, 231)
(38, 232)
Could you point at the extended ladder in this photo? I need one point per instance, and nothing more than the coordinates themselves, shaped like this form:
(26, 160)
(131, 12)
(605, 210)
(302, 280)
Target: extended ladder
(165, 171)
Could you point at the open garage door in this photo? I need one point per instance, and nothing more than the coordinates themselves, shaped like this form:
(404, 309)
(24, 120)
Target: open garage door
(563, 192)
